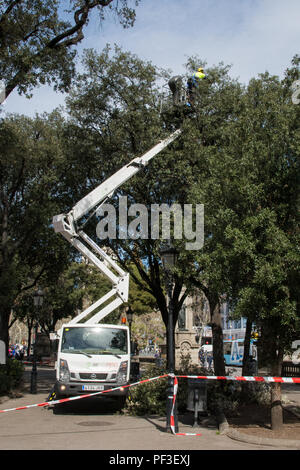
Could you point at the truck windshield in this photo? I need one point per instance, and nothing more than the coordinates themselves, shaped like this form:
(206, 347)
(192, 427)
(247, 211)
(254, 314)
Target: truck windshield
(94, 340)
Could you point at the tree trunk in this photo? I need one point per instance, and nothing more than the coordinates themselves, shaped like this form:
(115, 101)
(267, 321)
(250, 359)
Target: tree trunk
(276, 407)
(217, 338)
(4, 322)
(246, 366)
(276, 404)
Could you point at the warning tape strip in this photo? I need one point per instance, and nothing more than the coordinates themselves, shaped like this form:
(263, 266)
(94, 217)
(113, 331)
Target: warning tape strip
(79, 397)
(243, 378)
(172, 417)
(217, 377)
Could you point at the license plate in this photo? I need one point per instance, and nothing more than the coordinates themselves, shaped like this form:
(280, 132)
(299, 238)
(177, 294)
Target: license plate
(92, 387)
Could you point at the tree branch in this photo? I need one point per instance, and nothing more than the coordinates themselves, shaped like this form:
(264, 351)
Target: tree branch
(80, 18)
(58, 42)
(9, 9)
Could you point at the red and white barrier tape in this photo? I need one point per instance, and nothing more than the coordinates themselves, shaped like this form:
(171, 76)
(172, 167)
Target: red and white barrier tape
(172, 417)
(244, 378)
(79, 397)
(216, 377)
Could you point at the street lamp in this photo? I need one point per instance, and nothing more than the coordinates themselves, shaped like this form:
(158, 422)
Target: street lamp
(169, 256)
(38, 298)
(129, 315)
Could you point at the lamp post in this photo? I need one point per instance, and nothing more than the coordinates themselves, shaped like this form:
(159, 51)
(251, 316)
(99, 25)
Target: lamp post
(169, 256)
(38, 298)
(129, 315)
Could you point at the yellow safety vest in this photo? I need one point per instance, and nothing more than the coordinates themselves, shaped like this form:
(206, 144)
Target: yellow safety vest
(199, 75)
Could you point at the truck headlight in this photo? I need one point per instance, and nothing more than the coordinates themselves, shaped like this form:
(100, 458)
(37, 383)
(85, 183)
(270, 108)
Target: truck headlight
(122, 372)
(64, 373)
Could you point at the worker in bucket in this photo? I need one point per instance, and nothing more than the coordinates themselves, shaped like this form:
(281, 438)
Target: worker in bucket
(178, 90)
(193, 84)
(182, 96)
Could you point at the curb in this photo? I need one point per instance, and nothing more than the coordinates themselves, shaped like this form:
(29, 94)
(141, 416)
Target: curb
(282, 443)
(225, 429)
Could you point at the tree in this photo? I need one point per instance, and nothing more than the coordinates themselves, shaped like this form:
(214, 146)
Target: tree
(209, 175)
(37, 39)
(267, 237)
(31, 169)
(115, 106)
(219, 162)
(249, 178)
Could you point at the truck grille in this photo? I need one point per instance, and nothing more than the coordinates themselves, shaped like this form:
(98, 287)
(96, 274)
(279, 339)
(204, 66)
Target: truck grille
(92, 376)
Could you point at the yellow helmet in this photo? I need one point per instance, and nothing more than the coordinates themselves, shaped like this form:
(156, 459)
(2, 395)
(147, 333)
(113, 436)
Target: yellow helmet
(200, 69)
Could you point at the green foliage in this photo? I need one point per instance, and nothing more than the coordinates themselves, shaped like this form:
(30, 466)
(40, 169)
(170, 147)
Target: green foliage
(237, 156)
(38, 39)
(148, 398)
(246, 160)
(230, 395)
(141, 301)
(31, 165)
(148, 326)
(11, 375)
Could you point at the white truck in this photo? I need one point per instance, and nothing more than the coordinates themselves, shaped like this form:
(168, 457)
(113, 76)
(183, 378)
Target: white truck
(95, 357)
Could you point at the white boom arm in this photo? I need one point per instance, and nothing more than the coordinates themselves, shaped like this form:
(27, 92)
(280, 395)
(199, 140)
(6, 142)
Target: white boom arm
(66, 225)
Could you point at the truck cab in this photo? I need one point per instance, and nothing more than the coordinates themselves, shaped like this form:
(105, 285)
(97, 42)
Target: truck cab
(93, 358)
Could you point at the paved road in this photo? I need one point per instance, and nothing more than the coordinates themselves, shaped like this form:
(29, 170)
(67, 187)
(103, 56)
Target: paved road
(94, 424)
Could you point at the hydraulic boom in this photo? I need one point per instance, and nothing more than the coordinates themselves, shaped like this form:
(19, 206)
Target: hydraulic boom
(66, 224)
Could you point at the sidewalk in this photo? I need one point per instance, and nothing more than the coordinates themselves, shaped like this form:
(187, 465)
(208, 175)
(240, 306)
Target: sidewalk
(92, 423)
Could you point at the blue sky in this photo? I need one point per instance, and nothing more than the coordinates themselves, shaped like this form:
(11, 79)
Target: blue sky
(251, 35)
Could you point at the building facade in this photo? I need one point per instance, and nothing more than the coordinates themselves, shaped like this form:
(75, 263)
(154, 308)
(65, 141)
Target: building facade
(232, 329)
(192, 328)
